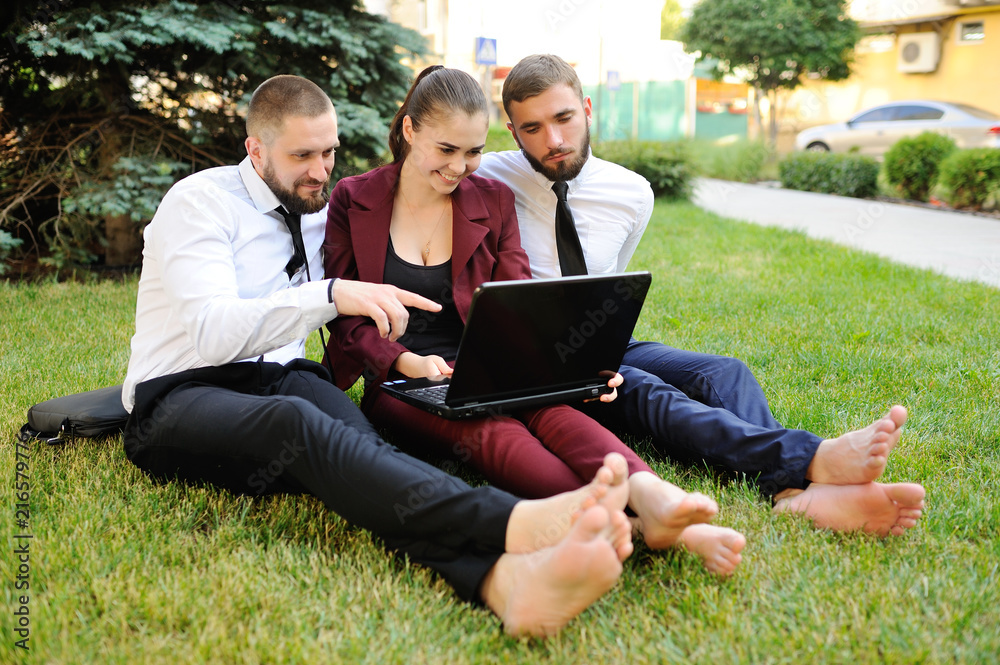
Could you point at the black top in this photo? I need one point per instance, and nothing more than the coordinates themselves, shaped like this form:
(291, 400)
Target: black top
(428, 333)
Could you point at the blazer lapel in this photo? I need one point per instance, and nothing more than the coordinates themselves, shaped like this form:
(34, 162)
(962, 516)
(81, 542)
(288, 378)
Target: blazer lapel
(468, 209)
(369, 220)
(371, 215)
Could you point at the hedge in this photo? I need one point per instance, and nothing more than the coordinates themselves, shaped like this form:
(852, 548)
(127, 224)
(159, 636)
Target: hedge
(969, 177)
(829, 173)
(666, 165)
(912, 163)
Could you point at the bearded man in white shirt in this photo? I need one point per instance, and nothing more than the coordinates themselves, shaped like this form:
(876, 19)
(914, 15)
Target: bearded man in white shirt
(696, 407)
(219, 391)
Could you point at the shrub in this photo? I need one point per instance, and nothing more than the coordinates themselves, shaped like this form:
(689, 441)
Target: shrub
(911, 164)
(968, 177)
(667, 165)
(742, 161)
(498, 138)
(827, 173)
(7, 243)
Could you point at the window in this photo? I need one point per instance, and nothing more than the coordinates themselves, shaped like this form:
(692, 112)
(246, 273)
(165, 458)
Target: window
(971, 32)
(912, 112)
(875, 115)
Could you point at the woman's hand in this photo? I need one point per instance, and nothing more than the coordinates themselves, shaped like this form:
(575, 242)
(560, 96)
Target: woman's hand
(417, 366)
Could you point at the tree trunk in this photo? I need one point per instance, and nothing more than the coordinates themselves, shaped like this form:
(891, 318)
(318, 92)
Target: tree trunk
(124, 242)
(758, 121)
(772, 120)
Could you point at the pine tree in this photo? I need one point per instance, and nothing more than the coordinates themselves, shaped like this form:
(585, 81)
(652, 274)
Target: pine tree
(104, 107)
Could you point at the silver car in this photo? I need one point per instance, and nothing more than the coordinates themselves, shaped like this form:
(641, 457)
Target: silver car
(874, 130)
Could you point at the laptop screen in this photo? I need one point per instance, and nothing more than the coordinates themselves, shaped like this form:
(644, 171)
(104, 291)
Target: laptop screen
(528, 336)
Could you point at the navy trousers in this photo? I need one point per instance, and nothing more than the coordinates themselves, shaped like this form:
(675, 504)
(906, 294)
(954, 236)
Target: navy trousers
(700, 407)
(259, 428)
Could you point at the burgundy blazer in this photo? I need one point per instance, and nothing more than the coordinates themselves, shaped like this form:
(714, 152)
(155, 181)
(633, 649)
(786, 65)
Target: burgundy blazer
(486, 246)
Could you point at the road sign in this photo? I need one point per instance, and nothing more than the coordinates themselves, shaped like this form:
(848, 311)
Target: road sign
(614, 80)
(486, 51)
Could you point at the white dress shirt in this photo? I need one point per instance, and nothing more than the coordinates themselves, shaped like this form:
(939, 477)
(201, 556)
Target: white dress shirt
(213, 288)
(611, 207)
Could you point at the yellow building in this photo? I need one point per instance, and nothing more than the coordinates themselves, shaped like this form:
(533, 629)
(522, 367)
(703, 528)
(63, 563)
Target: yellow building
(948, 50)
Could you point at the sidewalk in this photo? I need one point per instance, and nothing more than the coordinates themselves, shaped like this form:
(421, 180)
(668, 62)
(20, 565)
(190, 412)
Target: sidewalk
(954, 244)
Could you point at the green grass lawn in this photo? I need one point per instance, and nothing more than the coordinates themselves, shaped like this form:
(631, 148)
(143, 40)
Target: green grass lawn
(124, 570)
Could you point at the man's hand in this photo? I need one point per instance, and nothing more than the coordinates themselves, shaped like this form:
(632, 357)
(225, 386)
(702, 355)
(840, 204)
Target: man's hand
(382, 303)
(613, 383)
(417, 366)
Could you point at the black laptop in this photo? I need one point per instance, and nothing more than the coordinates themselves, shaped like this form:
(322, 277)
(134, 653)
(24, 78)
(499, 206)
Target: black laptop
(533, 342)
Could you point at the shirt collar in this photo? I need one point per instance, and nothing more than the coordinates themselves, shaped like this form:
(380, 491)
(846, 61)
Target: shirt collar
(573, 184)
(263, 198)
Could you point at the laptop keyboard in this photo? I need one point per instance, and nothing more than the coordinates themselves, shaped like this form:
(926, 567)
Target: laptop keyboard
(432, 394)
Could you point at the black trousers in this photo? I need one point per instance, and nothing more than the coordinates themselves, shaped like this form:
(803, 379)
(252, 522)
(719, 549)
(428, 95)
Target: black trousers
(259, 428)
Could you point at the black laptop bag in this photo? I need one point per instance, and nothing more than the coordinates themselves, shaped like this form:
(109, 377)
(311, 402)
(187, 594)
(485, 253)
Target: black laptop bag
(91, 414)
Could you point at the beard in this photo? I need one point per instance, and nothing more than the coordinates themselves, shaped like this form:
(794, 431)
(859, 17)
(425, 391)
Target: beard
(294, 203)
(565, 170)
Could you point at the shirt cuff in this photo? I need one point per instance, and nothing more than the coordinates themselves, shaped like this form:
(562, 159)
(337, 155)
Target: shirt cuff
(315, 297)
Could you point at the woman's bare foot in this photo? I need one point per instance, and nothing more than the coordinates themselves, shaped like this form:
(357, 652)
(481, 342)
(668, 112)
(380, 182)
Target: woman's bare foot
(877, 508)
(665, 510)
(718, 547)
(859, 456)
(540, 592)
(540, 523)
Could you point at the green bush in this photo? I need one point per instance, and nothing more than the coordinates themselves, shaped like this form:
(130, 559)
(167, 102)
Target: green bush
(499, 138)
(912, 163)
(666, 165)
(742, 161)
(828, 173)
(969, 177)
(7, 243)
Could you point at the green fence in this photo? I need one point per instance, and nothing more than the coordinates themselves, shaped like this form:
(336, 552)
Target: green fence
(723, 126)
(655, 111)
(652, 111)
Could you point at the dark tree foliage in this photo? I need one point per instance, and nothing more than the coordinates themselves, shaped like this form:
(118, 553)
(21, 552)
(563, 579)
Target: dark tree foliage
(103, 106)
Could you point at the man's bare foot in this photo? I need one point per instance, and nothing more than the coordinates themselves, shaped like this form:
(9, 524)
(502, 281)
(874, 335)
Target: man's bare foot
(540, 523)
(719, 547)
(877, 508)
(540, 592)
(665, 510)
(859, 456)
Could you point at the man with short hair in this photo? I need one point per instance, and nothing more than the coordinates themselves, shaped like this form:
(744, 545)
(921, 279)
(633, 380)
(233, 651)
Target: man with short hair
(577, 210)
(219, 391)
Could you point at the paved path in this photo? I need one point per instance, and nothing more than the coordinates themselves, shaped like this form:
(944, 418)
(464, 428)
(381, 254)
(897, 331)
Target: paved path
(954, 244)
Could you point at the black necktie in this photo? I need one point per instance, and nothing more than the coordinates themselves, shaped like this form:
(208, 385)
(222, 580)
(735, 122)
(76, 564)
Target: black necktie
(571, 260)
(294, 223)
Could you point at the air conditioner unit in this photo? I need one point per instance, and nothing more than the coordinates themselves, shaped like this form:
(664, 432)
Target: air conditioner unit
(918, 52)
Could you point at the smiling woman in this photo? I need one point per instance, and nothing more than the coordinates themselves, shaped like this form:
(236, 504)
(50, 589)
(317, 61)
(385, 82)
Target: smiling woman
(428, 224)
